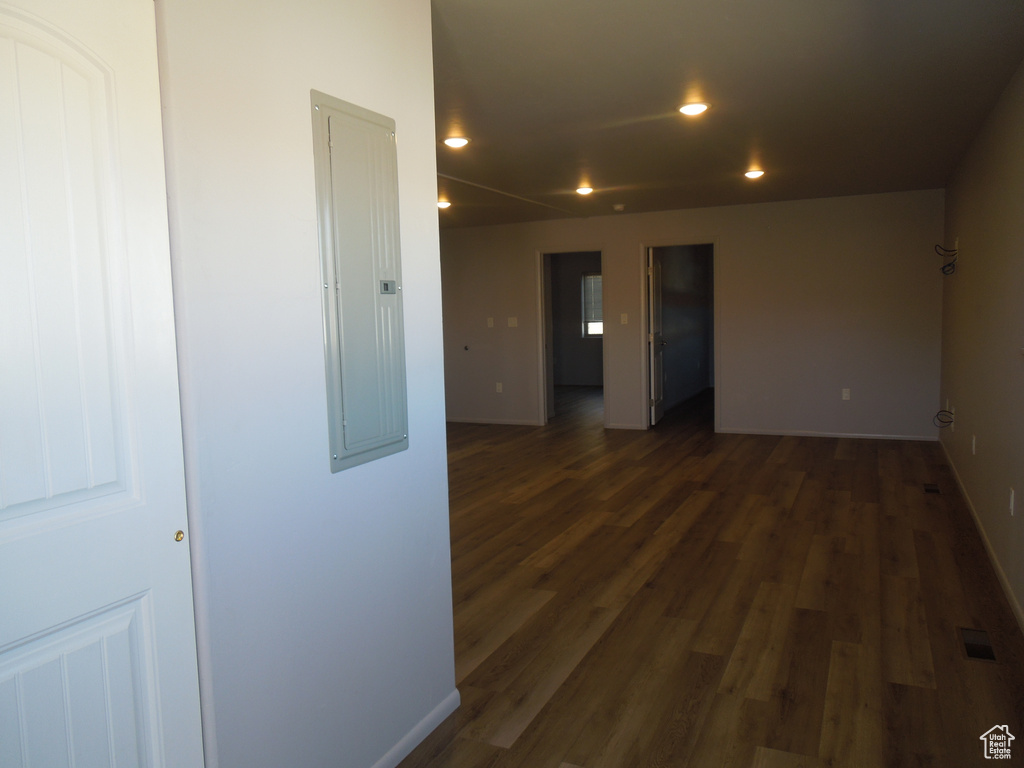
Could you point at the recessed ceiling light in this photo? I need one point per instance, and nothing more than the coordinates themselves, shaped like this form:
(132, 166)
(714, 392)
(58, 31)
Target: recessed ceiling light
(693, 109)
(443, 204)
(754, 174)
(456, 142)
(619, 207)
(585, 190)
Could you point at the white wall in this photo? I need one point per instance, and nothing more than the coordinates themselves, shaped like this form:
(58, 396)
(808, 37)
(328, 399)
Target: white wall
(983, 332)
(811, 296)
(323, 601)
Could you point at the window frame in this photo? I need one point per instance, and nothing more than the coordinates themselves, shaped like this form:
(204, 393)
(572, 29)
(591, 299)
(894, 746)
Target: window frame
(592, 308)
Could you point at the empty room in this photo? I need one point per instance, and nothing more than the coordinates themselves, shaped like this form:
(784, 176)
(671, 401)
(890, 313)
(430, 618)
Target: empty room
(786, 567)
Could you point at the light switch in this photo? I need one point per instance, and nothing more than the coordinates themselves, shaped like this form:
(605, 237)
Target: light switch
(490, 322)
(513, 322)
(624, 319)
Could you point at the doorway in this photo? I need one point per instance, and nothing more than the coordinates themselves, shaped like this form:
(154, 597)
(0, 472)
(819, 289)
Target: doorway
(680, 315)
(573, 328)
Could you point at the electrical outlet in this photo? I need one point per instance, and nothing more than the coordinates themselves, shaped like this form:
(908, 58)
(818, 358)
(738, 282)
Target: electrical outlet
(846, 393)
(497, 387)
(490, 322)
(513, 322)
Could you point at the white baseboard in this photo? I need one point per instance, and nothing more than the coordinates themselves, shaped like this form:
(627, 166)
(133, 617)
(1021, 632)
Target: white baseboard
(422, 729)
(1015, 605)
(809, 433)
(508, 422)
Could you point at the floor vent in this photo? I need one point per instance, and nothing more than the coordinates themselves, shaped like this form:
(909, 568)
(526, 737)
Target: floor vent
(931, 488)
(977, 645)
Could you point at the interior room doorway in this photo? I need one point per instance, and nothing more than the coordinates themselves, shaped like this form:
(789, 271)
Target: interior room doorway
(573, 327)
(680, 317)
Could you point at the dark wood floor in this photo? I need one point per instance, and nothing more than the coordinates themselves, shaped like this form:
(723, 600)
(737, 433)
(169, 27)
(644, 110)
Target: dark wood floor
(681, 598)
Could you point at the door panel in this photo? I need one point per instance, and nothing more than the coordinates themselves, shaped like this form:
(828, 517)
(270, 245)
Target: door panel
(97, 639)
(75, 692)
(62, 440)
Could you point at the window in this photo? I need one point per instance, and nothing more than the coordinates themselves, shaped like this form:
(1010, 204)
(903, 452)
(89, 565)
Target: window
(593, 317)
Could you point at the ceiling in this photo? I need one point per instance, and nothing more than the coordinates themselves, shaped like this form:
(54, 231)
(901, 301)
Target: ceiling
(829, 97)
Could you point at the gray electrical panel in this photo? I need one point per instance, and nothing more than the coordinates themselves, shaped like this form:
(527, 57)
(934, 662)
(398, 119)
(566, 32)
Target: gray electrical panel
(356, 171)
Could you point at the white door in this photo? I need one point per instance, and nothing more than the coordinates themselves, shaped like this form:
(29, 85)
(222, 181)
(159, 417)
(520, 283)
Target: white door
(97, 640)
(655, 340)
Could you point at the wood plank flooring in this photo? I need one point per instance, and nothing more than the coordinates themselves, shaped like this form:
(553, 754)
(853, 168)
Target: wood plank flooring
(680, 598)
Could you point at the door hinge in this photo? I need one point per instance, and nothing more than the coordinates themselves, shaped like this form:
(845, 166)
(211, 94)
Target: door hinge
(650, 403)
(650, 337)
